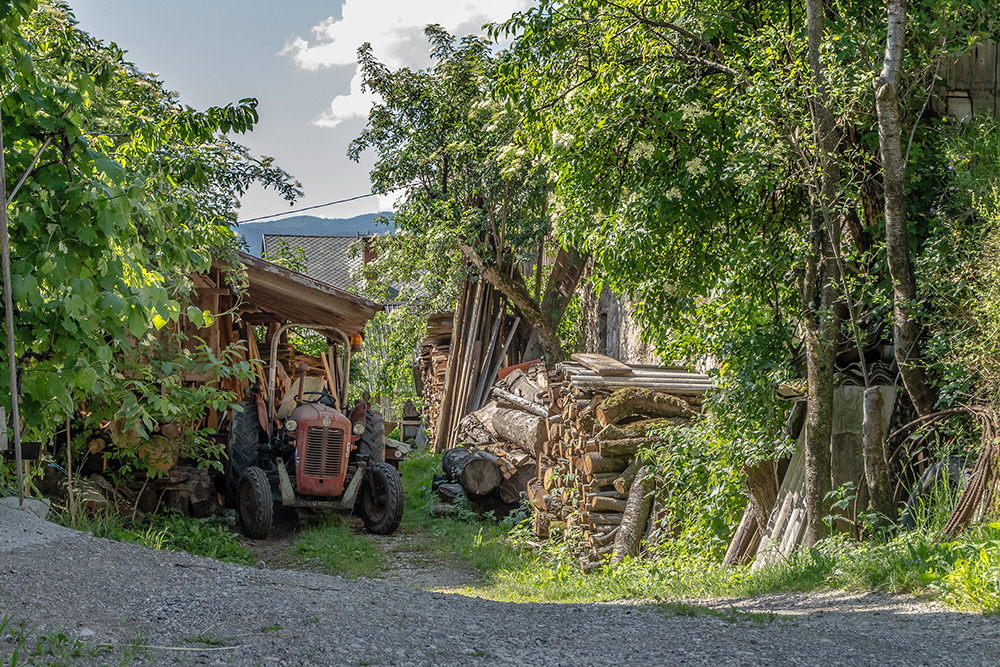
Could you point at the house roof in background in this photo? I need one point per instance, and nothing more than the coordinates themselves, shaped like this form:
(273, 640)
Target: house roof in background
(329, 259)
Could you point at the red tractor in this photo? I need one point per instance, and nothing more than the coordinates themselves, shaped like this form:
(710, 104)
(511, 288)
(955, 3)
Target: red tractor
(320, 456)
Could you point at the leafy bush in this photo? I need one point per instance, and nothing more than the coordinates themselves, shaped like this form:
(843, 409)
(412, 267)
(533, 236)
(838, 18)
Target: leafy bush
(211, 537)
(701, 494)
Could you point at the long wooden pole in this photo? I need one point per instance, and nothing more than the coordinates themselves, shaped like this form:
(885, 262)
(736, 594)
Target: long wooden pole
(8, 302)
(69, 475)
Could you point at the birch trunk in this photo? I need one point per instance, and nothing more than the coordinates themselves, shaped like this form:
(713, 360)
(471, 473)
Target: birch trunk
(906, 328)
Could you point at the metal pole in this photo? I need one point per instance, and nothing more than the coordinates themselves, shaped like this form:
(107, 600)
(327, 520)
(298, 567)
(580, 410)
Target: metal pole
(8, 303)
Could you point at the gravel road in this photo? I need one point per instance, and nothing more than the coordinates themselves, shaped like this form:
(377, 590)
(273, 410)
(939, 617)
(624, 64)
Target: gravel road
(172, 608)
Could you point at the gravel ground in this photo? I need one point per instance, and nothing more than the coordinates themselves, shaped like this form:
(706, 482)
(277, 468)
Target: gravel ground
(172, 608)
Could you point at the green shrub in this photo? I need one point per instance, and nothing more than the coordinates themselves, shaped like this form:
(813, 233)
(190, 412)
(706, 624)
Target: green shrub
(211, 537)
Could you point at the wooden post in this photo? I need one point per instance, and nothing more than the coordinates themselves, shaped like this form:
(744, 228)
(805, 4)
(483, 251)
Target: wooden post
(69, 475)
(8, 302)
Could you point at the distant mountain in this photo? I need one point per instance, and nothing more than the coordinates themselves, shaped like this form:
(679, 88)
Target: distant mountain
(309, 225)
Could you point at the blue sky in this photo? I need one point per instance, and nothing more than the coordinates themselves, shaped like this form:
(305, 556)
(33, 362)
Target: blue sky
(297, 59)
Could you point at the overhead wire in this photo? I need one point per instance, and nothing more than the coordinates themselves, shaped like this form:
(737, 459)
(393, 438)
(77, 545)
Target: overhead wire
(307, 208)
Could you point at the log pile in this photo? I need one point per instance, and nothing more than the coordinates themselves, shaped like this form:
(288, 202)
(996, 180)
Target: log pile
(507, 433)
(589, 485)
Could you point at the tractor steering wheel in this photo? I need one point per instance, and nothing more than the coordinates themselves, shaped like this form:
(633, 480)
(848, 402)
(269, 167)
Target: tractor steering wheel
(321, 394)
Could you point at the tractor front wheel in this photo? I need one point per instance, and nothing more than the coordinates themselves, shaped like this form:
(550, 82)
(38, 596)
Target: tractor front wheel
(255, 506)
(381, 501)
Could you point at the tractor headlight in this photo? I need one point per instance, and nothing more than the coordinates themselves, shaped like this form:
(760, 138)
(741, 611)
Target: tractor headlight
(291, 425)
(358, 428)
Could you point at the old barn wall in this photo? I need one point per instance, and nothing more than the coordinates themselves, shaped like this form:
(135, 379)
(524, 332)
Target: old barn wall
(609, 327)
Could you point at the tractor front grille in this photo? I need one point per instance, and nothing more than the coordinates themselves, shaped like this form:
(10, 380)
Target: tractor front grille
(324, 452)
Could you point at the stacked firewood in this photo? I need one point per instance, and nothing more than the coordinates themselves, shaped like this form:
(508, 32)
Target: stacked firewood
(431, 367)
(589, 484)
(507, 432)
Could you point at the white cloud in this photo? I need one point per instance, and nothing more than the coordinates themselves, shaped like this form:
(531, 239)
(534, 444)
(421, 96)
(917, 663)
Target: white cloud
(395, 29)
(389, 201)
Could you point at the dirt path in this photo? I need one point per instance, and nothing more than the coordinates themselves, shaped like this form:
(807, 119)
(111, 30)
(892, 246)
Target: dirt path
(74, 599)
(410, 558)
(411, 563)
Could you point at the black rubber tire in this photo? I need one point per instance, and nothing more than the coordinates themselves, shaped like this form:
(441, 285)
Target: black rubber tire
(951, 469)
(371, 444)
(241, 448)
(381, 501)
(255, 507)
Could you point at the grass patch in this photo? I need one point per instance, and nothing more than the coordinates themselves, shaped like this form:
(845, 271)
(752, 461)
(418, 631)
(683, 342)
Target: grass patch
(730, 615)
(55, 648)
(477, 543)
(964, 572)
(334, 547)
(209, 639)
(211, 537)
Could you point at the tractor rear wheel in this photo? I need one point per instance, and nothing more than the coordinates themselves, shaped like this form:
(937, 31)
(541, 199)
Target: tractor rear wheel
(255, 507)
(372, 441)
(241, 448)
(381, 501)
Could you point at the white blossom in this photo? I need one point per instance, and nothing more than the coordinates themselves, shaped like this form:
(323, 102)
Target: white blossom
(641, 150)
(695, 167)
(561, 139)
(693, 111)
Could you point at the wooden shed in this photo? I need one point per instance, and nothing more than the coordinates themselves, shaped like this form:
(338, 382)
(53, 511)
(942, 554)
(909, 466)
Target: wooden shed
(271, 297)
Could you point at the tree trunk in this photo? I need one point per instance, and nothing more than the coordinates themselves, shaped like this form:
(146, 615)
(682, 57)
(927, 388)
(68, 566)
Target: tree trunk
(563, 279)
(626, 447)
(472, 431)
(640, 401)
(597, 503)
(906, 328)
(819, 294)
(762, 489)
(623, 482)
(745, 541)
(521, 403)
(476, 470)
(544, 317)
(877, 477)
(594, 464)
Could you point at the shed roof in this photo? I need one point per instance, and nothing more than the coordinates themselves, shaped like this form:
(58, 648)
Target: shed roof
(279, 294)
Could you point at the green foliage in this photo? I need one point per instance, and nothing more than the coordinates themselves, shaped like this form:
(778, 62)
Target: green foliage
(443, 140)
(571, 326)
(290, 257)
(959, 265)
(126, 193)
(679, 144)
(211, 537)
(155, 393)
(701, 494)
(385, 363)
